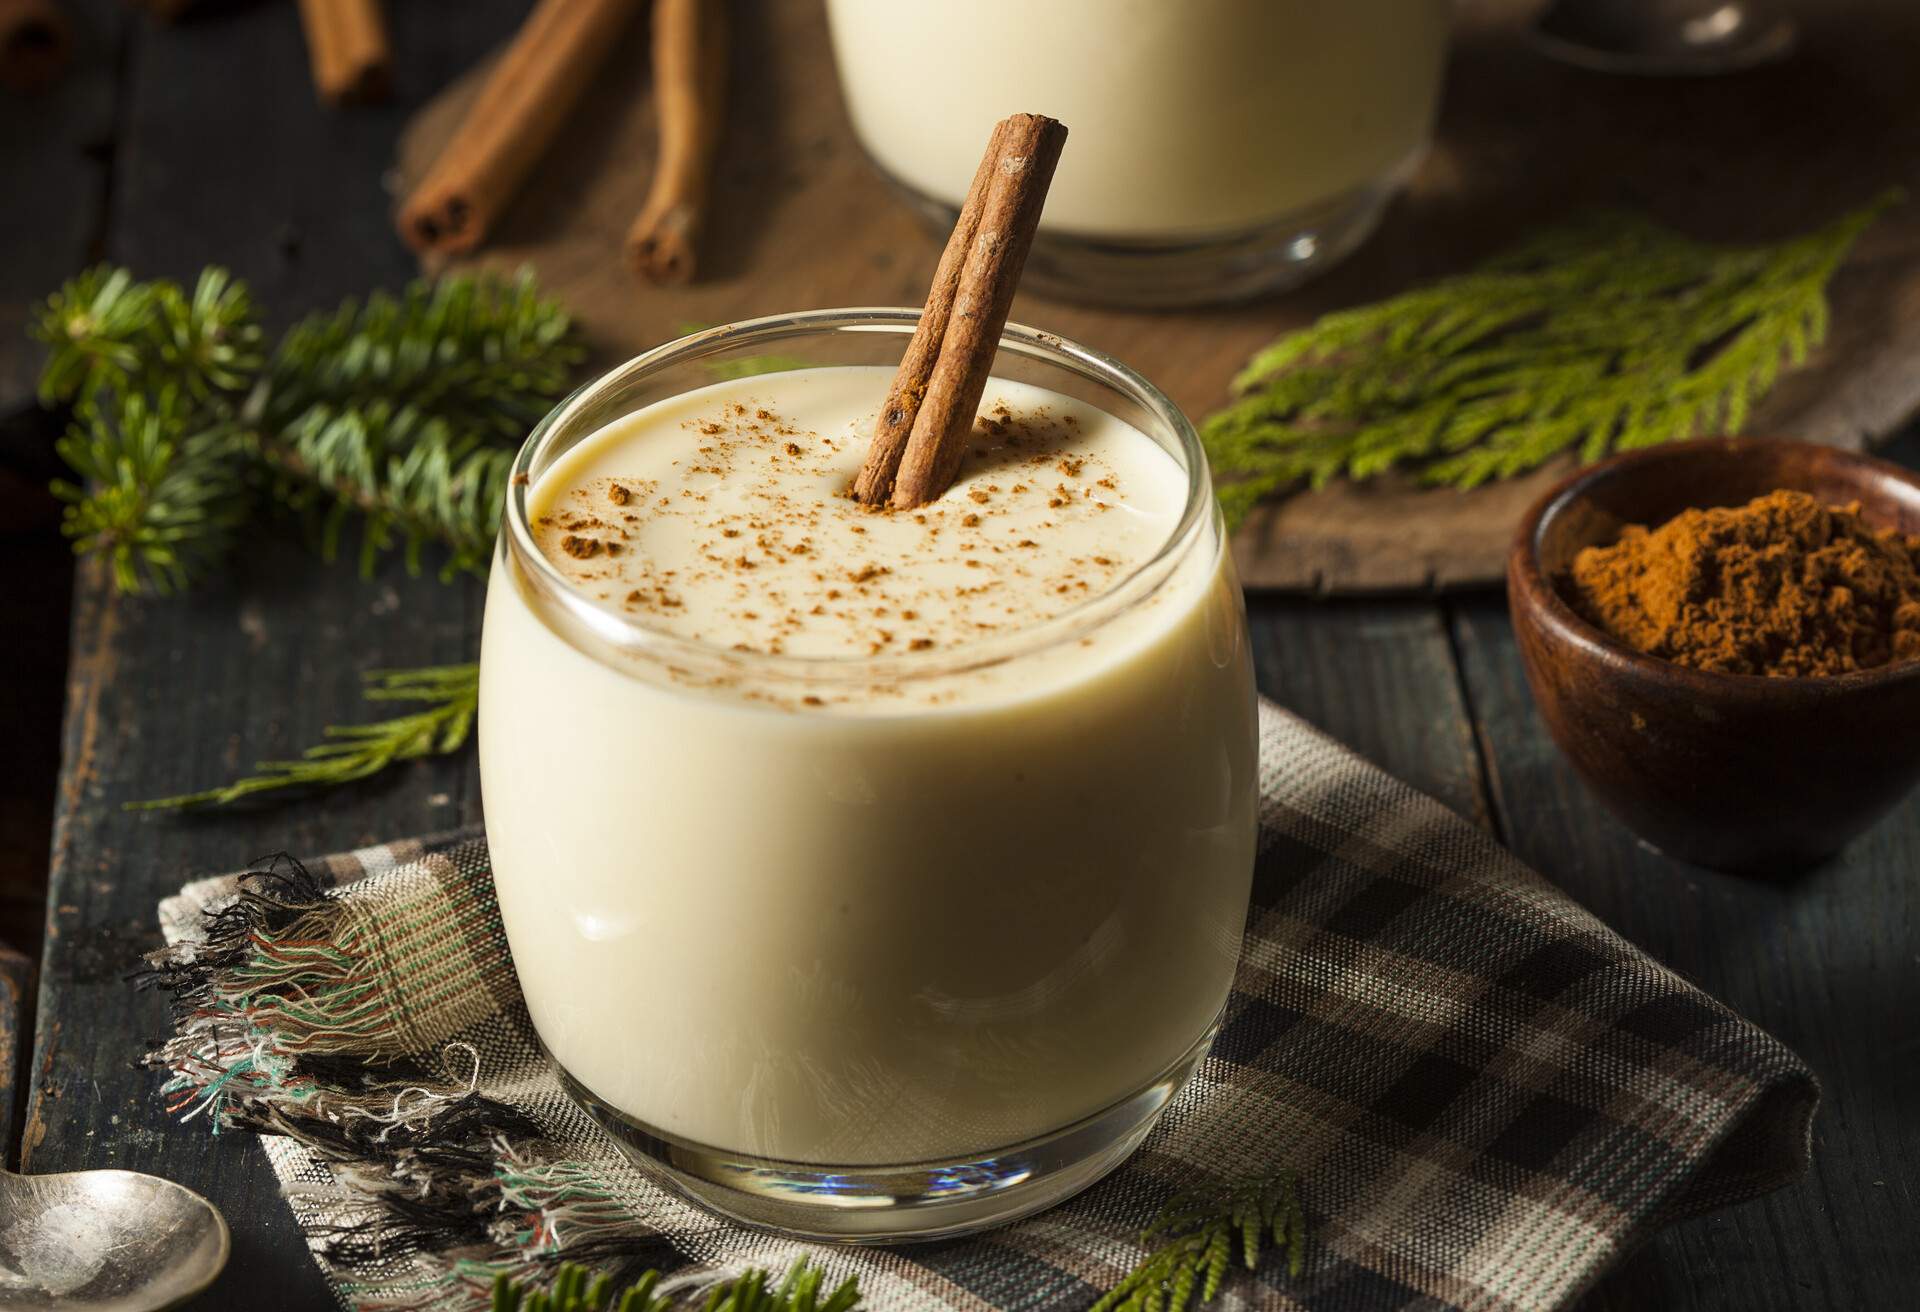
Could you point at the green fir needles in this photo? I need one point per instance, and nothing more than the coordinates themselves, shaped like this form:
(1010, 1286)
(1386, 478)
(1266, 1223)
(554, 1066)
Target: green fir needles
(1609, 334)
(574, 1289)
(350, 752)
(1196, 1238)
(400, 414)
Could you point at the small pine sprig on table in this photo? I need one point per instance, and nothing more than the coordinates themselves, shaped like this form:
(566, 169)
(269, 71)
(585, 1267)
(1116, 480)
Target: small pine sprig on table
(1195, 1237)
(399, 414)
(350, 752)
(108, 332)
(160, 493)
(575, 1289)
(1608, 334)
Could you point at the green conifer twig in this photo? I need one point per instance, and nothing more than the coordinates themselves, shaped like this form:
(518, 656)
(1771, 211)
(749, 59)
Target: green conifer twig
(1608, 334)
(106, 332)
(575, 1289)
(407, 478)
(352, 752)
(399, 413)
(1197, 1236)
(489, 357)
(160, 495)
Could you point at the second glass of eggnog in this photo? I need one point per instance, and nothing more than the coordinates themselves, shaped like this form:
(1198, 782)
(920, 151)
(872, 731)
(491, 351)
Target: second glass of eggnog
(869, 874)
(1221, 148)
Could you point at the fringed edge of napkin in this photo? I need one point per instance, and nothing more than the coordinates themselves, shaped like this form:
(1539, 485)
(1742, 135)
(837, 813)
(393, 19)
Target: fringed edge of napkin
(281, 1028)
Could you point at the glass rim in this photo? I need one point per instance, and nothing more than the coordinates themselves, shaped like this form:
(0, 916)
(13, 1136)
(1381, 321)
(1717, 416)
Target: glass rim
(634, 636)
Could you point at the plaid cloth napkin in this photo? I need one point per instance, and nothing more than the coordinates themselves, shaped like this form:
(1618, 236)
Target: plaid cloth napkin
(1489, 1096)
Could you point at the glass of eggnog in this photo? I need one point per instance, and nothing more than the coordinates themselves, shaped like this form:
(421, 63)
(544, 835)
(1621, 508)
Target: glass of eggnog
(869, 874)
(1221, 148)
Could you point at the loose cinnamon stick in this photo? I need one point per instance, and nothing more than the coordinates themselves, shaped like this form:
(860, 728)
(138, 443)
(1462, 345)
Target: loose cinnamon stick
(347, 47)
(689, 93)
(1019, 167)
(526, 99)
(35, 43)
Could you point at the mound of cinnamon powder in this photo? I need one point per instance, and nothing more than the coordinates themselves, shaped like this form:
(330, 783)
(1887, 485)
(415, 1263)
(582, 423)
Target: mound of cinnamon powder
(1780, 586)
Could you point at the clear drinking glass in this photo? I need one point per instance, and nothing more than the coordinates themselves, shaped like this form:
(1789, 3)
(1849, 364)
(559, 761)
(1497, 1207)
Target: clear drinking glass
(882, 974)
(1216, 149)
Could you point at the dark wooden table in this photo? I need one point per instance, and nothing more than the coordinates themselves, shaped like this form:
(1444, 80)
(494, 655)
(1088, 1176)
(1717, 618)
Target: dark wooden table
(169, 148)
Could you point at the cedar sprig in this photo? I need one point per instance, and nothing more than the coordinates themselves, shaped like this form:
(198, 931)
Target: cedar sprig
(575, 1289)
(398, 414)
(350, 752)
(1608, 334)
(1195, 1238)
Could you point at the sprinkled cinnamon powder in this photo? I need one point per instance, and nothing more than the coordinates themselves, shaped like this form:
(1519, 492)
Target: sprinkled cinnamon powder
(729, 520)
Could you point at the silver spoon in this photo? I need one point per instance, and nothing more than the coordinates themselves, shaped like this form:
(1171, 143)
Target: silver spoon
(105, 1241)
(1664, 37)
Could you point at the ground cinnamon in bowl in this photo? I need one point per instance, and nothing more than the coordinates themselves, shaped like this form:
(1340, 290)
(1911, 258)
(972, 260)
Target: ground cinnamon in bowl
(1782, 586)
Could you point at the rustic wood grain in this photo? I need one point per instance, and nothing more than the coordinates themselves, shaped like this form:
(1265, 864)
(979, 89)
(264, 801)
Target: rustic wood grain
(57, 140)
(224, 156)
(1380, 678)
(165, 696)
(1825, 962)
(16, 1016)
(55, 176)
(800, 221)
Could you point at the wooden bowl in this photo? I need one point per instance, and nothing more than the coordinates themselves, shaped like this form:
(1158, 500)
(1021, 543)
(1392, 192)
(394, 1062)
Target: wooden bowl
(1731, 771)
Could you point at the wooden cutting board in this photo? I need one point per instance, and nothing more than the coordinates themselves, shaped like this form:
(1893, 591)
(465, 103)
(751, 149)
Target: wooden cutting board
(801, 222)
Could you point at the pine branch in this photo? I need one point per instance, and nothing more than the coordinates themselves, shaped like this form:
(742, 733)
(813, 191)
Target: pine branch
(95, 326)
(399, 414)
(1197, 1237)
(107, 332)
(575, 1289)
(353, 752)
(407, 479)
(487, 356)
(1605, 335)
(160, 495)
(403, 413)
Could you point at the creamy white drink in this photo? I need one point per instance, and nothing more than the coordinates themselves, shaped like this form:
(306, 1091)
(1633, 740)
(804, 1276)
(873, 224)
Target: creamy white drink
(851, 837)
(1189, 118)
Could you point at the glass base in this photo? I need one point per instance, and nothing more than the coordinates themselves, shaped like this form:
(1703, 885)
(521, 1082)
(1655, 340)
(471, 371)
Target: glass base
(1176, 272)
(897, 1203)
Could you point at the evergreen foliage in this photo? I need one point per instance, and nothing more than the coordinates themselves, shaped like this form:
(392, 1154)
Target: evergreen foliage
(1606, 335)
(400, 414)
(1196, 1238)
(349, 752)
(575, 1289)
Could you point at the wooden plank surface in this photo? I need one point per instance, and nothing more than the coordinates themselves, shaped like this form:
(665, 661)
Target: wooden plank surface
(55, 146)
(55, 152)
(169, 695)
(1826, 962)
(224, 157)
(16, 1011)
(800, 221)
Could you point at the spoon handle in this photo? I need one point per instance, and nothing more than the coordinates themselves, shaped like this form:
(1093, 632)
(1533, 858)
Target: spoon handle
(16, 979)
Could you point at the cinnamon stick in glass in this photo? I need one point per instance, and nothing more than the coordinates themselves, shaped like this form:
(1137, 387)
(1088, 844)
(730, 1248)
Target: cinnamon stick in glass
(969, 306)
(347, 48)
(689, 93)
(874, 484)
(35, 43)
(513, 120)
